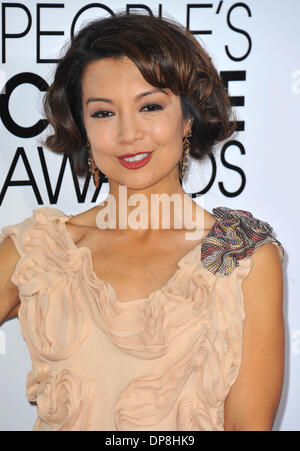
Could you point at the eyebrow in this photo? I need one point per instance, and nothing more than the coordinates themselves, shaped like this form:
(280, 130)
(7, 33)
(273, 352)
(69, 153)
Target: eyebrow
(142, 94)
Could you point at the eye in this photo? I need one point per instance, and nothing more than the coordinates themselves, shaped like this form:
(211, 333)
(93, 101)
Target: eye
(153, 107)
(104, 113)
(100, 114)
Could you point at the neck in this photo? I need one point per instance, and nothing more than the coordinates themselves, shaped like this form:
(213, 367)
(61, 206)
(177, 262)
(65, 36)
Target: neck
(157, 207)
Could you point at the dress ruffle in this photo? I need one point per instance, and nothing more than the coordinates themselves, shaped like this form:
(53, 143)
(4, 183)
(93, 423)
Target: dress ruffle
(200, 340)
(64, 398)
(236, 235)
(191, 330)
(52, 315)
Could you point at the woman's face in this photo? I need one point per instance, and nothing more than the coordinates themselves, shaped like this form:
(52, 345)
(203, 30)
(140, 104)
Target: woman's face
(121, 119)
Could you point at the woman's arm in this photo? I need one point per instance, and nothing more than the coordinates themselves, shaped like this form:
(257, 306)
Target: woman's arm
(253, 400)
(9, 293)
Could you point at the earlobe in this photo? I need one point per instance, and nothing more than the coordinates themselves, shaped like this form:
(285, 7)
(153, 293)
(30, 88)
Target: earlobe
(190, 121)
(189, 124)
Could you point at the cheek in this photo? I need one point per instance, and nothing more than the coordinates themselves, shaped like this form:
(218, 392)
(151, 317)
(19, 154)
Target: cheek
(103, 147)
(101, 138)
(167, 131)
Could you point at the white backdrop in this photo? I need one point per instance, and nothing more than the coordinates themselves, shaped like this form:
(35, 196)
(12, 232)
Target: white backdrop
(255, 45)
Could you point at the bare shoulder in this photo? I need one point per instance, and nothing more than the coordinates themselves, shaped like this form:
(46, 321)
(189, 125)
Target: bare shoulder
(263, 288)
(78, 225)
(267, 266)
(210, 220)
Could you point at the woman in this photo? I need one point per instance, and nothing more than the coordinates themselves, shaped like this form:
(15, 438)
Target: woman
(140, 328)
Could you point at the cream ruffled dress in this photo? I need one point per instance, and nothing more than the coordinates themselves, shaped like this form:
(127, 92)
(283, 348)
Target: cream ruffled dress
(164, 362)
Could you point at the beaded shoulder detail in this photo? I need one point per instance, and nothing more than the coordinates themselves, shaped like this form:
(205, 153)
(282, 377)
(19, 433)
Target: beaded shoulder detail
(235, 235)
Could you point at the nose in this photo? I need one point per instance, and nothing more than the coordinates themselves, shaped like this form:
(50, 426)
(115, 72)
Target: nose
(130, 129)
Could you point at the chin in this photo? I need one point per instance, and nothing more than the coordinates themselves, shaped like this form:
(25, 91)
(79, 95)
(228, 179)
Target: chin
(140, 184)
(136, 181)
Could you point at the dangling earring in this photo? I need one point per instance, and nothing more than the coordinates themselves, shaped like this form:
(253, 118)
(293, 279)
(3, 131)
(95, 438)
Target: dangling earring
(92, 166)
(185, 154)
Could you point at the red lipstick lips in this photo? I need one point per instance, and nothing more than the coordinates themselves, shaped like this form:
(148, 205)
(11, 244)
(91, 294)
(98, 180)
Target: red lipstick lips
(137, 163)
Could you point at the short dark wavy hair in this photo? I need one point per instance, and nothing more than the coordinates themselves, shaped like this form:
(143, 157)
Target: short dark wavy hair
(167, 55)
